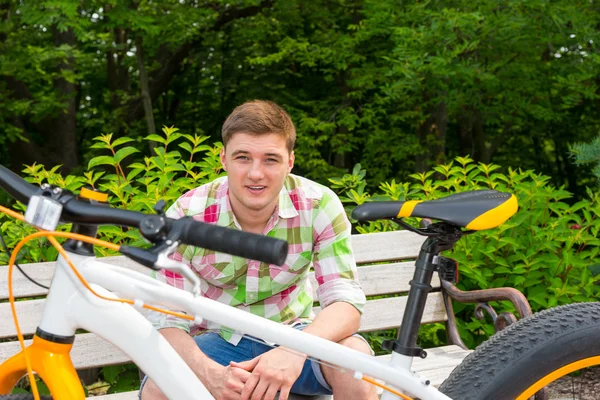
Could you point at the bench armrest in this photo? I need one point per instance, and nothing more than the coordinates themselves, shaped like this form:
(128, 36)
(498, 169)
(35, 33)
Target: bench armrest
(482, 297)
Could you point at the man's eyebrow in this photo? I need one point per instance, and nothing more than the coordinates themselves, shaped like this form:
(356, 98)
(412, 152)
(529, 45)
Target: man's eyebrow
(243, 152)
(275, 155)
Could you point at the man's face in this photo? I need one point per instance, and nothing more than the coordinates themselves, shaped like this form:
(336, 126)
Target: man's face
(256, 168)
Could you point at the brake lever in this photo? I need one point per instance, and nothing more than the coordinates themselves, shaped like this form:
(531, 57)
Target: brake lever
(157, 258)
(164, 262)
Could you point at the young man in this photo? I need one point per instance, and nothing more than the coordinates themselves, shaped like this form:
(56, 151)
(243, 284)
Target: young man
(260, 195)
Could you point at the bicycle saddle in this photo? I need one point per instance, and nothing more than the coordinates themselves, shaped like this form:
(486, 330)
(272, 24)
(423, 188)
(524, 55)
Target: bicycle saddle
(476, 210)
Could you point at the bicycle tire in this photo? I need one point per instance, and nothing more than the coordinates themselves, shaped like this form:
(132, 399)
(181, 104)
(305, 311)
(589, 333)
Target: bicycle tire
(22, 396)
(513, 361)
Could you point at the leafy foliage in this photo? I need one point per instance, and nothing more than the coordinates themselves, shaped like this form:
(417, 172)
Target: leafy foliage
(396, 87)
(132, 184)
(588, 153)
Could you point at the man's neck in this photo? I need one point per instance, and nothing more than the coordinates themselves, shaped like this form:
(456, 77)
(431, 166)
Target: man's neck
(253, 221)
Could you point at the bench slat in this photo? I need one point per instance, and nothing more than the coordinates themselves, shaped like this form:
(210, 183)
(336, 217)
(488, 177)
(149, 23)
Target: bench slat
(43, 272)
(379, 314)
(374, 279)
(386, 246)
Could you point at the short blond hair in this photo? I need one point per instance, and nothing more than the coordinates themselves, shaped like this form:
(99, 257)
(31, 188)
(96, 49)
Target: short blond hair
(259, 117)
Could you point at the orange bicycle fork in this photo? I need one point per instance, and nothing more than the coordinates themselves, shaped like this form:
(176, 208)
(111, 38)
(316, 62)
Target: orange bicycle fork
(50, 359)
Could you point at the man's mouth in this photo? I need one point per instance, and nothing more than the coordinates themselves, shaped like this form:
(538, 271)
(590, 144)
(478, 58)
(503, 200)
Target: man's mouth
(256, 188)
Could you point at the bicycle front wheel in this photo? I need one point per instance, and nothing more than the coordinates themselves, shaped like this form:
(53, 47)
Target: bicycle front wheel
(530, 354)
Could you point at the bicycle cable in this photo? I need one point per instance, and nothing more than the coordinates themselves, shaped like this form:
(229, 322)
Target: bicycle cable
(19, 267)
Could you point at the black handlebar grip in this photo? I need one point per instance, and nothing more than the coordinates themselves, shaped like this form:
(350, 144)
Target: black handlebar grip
(16, 186)
(232, 241)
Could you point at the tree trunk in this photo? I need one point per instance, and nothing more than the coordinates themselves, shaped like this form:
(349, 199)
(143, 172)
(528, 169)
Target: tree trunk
(479, 138)
(171, 62)
(465, 131)
(432, 136)
(146, 100)
(57, 143)
(472, 136)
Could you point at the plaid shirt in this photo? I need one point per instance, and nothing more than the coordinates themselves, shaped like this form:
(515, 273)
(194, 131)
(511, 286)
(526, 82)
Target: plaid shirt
(310, 217)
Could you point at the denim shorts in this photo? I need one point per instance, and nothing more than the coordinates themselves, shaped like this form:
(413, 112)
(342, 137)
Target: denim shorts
(311, 381)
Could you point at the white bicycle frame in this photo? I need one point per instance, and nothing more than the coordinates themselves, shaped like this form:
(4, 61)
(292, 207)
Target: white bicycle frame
(70, 306)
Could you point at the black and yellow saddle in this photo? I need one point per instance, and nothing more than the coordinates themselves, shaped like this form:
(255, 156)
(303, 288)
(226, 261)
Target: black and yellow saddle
(475, 210)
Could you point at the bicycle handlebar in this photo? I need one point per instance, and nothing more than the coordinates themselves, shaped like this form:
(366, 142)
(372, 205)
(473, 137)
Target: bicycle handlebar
(194, 233)
(232, 241)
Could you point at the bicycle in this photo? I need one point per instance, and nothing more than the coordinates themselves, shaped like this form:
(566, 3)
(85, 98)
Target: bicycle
(87, 289)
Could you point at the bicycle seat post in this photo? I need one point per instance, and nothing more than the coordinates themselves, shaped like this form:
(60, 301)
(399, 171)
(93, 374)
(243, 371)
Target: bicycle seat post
(426, 264)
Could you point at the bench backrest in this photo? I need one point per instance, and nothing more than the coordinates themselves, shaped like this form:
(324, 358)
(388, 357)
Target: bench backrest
(381, 272)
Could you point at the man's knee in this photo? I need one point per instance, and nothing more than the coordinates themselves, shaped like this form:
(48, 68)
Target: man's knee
(332, 375)
(356, 343)
(342, 382)
(149, 391)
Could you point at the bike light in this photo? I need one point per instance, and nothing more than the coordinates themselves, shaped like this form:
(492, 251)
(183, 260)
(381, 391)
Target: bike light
(43, 212)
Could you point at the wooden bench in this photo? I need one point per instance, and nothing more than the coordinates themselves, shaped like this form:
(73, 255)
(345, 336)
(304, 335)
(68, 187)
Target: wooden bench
(383, 270)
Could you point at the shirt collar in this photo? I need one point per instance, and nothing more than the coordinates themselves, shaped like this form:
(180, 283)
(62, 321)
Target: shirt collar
(286, 205)
(226, 217)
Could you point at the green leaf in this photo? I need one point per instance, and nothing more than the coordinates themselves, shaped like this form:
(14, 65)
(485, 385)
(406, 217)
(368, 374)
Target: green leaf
(101, 160)
(122, 140)
(156, 138)
(124, 152)
(174, 167)
(111, 372)
(186, 146)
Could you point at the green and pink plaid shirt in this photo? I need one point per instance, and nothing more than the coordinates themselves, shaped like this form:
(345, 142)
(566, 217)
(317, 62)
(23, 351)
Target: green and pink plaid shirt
(310, 217)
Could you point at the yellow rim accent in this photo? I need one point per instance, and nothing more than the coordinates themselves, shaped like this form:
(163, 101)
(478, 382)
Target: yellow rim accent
(408, 207)
(90, 194)
(496, 216)
(551, 377)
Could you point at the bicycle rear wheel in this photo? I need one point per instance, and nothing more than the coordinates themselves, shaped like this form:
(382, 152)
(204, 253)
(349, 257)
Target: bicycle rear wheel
(530, 354)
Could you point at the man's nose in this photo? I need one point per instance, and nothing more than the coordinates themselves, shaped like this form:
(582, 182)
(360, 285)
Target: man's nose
(255, 173)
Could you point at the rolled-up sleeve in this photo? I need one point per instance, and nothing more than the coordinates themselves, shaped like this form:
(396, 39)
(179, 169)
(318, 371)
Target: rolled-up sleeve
(333, 259)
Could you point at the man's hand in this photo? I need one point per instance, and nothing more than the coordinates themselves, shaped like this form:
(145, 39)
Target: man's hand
(228, 383)
(273, 371)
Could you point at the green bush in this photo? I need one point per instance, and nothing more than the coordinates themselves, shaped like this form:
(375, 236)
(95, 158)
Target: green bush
(133, 185)
(548, 250)
(181, 162)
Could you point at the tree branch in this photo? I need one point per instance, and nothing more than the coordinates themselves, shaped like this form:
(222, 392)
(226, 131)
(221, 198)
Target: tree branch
(161, 79)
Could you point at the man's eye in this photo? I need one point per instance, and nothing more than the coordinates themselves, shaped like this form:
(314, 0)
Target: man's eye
(272, 160)
(243, 158)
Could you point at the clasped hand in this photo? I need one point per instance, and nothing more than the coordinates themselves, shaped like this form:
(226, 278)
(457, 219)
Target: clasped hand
(262, 377)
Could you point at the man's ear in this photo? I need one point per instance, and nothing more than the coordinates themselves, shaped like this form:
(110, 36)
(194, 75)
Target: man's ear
(291, 161)
(222, 156)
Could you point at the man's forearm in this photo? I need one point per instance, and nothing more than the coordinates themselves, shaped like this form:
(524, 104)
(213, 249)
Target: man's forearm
(187, 349)
(335, 322)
